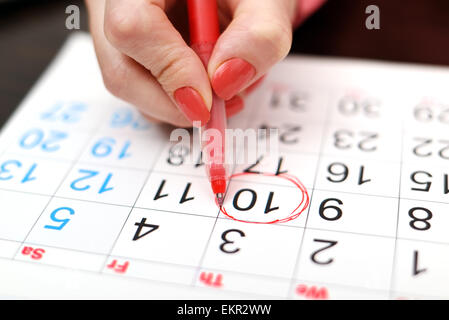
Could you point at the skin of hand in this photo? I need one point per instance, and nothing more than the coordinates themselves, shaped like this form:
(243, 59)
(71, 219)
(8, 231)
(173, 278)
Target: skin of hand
(145, 59)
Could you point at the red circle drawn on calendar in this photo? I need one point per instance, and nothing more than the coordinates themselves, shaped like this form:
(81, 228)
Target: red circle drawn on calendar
(303, 205)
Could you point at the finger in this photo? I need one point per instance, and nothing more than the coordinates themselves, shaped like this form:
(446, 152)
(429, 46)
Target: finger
(141, 30)
(128, 80)
(150, 119)
(234, 106)
(259, 36)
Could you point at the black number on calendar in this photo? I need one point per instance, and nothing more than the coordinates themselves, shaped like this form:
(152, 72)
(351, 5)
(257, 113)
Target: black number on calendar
(199, 162)
(251, 168)
(279, 169)
(140, 226)
(416, 269)
(424, 179)
(226, 246)
(346, 139)
(428, 113)
(184, 197)
(422, 149)
(296, 102)
(351, 106)
(339, 172)
(177, 154)
(420, 218)
(330, 212)
(288, 134)
(314, 257)
(416, 177)
(237, 203)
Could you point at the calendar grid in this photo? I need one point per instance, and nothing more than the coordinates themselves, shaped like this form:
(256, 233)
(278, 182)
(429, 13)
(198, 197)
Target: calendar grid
(287, 226)
(322, 144)
(72, 165)
(195, 277)
(367, 289)
(131, 209)
(87, 185)
(133, 206)
(253, 182)
(393, 269)
(174, 284)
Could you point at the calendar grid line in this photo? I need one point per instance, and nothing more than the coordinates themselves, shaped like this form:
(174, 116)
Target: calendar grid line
(258, 183)
(130, 211)
(210, 235)
(296, 266)
(177, 284)
(10, 123)
(187, 286)
(72, 165)
(259, 275)
(224, 218)
(61, 248)
(393, 267)
(282, 152)
(81, 162)
(218, 214)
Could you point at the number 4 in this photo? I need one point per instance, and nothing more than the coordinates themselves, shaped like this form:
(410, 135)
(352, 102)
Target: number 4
(142, 224)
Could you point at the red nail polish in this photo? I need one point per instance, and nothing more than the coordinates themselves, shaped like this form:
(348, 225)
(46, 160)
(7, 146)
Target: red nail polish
(192, 105)
(234, 106)
(231, 77)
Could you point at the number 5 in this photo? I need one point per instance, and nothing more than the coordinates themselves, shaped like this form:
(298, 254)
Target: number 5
(62, 222)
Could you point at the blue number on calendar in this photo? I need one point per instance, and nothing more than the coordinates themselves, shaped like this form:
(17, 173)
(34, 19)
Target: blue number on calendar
(103, 148)
(127, 118)
(89, 174)
(65, 112)
(62, 222)
(37, 137)
(6, 174)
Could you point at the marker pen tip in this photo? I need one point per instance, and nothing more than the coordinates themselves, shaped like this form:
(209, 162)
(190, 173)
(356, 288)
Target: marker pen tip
(220, 199)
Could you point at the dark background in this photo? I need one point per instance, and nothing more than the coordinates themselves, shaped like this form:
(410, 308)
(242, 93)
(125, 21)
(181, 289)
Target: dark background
(31, 32)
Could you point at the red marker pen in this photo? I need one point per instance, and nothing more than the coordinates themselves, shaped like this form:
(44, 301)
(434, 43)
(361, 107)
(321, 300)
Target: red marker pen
(204, 32)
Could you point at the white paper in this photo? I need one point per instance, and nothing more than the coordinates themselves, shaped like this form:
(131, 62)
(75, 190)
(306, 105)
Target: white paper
(97, 203)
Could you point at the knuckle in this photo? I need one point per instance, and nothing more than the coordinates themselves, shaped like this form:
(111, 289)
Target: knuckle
(120, 27)
(171, 65)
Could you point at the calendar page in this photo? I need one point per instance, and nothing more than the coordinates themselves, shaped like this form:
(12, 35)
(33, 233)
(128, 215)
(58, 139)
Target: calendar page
(95, 202)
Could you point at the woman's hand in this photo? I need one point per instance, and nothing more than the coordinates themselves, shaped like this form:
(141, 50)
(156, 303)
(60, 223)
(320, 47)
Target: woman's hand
(145, 60)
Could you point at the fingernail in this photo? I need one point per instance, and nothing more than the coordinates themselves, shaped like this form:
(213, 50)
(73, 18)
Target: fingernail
(234, 106)
(231, 77)
(192, 105)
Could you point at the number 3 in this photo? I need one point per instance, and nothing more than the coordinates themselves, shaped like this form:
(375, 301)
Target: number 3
(227, 242)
